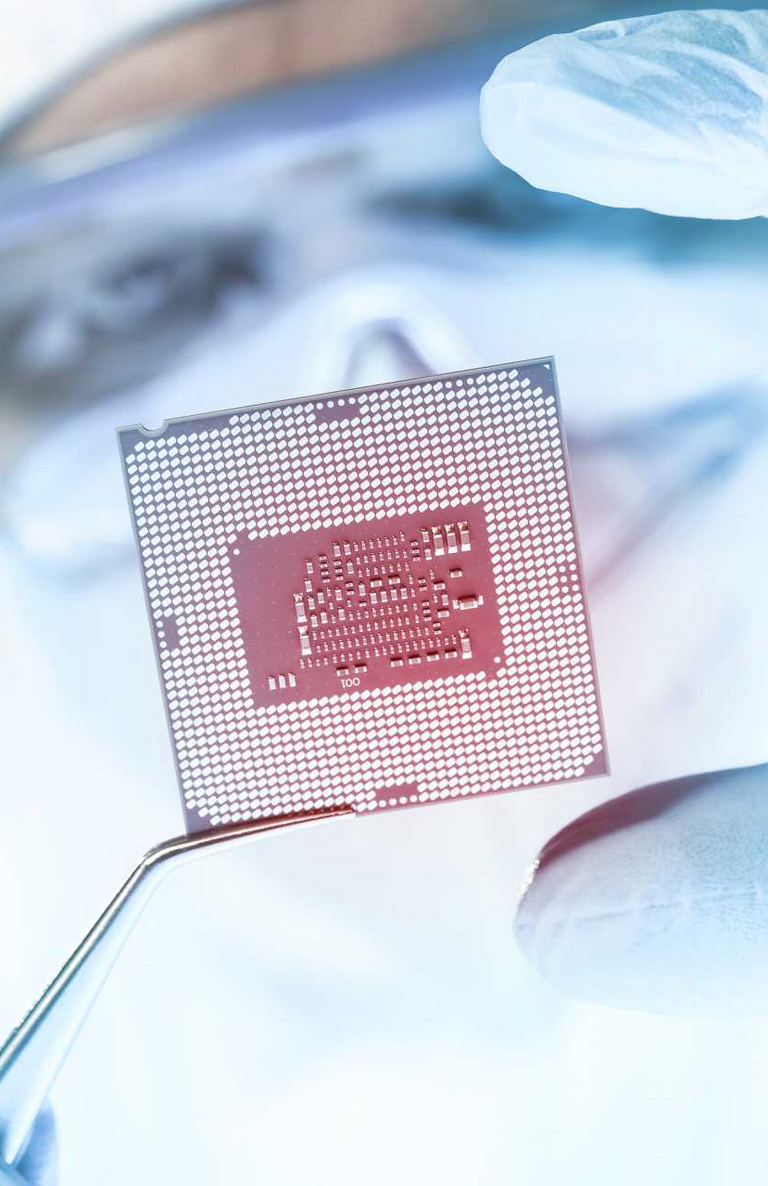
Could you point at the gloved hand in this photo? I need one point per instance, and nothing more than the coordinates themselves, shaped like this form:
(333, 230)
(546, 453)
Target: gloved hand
(666, 112)
(658, 899)
(39, 1164)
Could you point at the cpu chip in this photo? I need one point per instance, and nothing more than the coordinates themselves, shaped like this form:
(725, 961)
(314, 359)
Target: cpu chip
(371, 598)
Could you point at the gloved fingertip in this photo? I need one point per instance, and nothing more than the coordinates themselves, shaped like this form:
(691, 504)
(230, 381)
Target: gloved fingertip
(658, 900)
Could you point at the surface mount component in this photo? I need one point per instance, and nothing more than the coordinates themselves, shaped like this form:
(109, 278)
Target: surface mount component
(371, 598)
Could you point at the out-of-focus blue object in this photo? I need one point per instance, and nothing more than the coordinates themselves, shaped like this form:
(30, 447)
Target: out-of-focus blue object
(666, 112)
(38, 1165)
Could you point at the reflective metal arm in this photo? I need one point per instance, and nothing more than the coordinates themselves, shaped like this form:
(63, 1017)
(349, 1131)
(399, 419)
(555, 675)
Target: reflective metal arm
(34, 1052)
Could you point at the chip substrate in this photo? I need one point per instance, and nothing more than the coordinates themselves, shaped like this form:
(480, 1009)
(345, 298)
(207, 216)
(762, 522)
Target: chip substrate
(370, 598)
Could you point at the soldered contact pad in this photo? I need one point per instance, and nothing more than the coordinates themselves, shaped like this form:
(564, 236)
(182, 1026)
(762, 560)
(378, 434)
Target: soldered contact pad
(371, 598)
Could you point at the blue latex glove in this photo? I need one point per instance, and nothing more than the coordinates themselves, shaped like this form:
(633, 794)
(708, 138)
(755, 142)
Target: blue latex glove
(658, 899)
(666, 112)
(39, 1164)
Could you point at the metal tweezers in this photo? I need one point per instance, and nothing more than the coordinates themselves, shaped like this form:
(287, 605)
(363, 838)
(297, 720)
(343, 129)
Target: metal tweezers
(35, 1051)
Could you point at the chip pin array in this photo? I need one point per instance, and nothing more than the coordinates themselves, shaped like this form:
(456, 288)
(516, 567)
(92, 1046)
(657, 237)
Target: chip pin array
(475, 459)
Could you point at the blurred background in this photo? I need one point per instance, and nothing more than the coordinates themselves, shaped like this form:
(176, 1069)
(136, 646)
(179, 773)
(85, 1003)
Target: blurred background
(203, 206)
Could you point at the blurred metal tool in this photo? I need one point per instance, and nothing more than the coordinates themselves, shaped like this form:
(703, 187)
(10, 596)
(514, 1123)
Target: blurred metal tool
(36, 1050)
